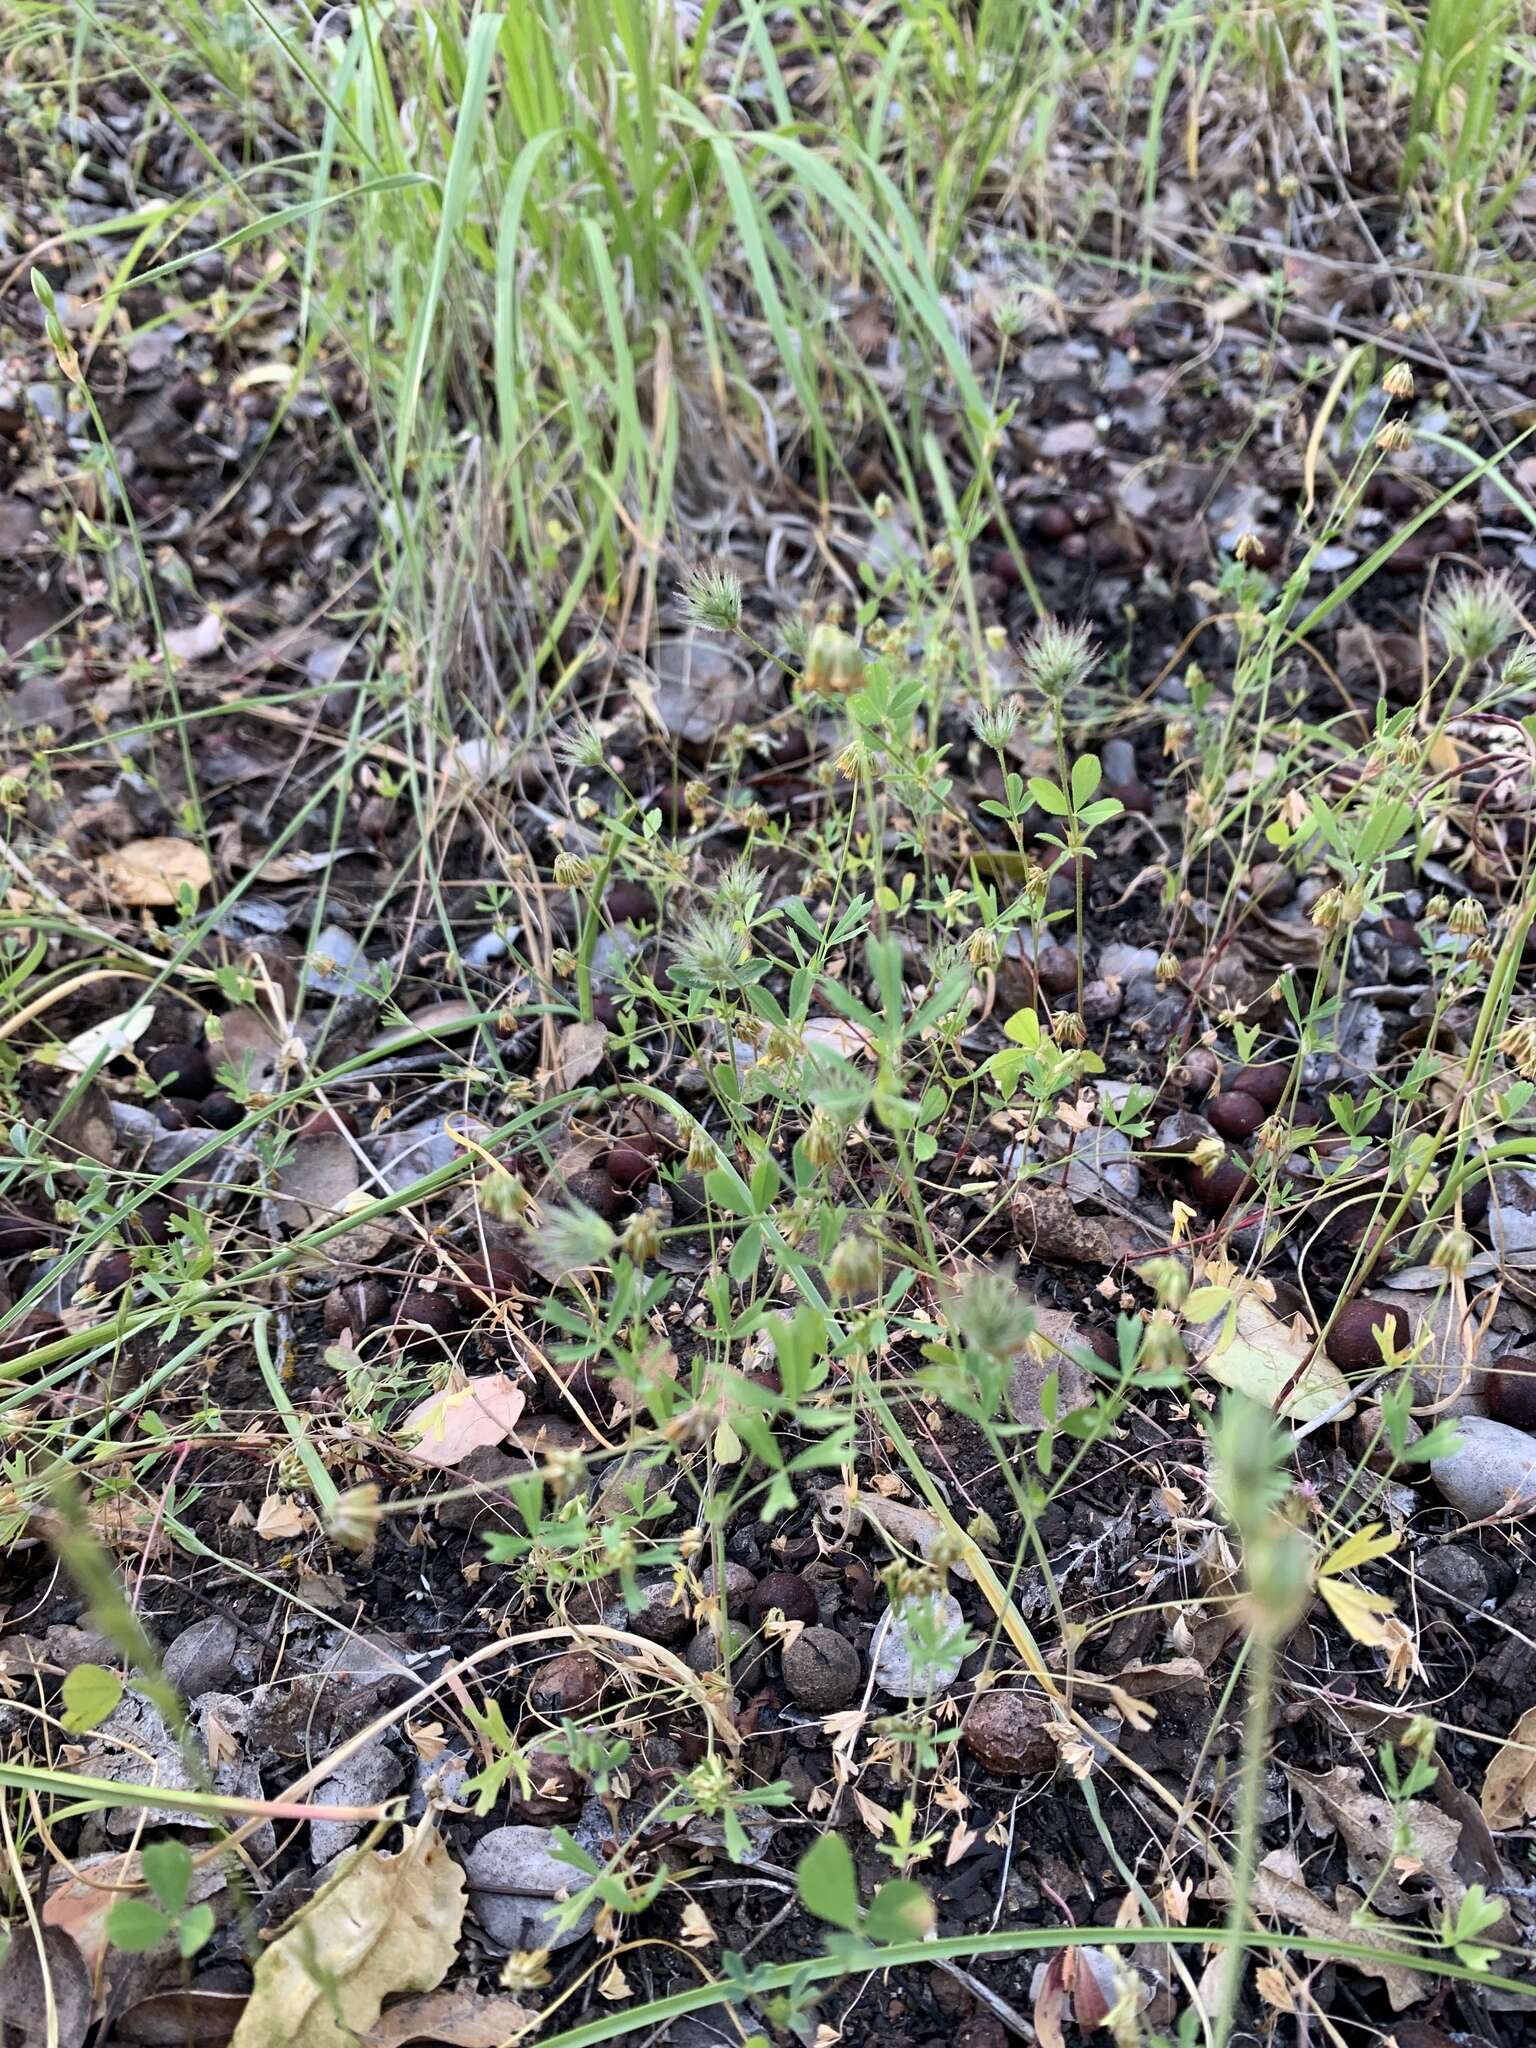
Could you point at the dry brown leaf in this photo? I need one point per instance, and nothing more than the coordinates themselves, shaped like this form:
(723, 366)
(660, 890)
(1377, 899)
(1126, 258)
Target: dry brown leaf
(386, 1924)
(462, 1419)
(316, 1180)
(1289, 1900)
(149, 874)
(578, 1052)
(1509, 1788)
(456, 2019)
(910, 1528)
(281, 1518)
(1340, 1800)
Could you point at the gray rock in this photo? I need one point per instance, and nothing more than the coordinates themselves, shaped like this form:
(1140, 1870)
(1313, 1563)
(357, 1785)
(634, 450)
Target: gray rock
(660, 1618)
(1491, 1472)
(516, 1884)
(337, 964)
(1103, 1164)
(919, 1647)
(1455, 1571)
(202, 1657)
(1127, 963)
(1055, 1334)
(366, 1777)
(1512, 1213)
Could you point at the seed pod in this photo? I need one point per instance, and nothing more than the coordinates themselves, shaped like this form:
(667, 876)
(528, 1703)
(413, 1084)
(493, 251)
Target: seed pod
(566, 1684)
(1217, 1187)
(181, 1070)
(1235, 1113)
(794, 1597)
(1352, 1338)
(1509, 1392)
(1266, 1083)
(421, 1308)
(220, 1111)
(1056, 970)
(1005, 1731)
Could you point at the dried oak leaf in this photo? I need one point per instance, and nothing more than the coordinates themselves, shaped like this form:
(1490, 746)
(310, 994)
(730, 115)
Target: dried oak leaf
(455, 2019)
(149, 874)
(1509, 1788)
(385, 1924)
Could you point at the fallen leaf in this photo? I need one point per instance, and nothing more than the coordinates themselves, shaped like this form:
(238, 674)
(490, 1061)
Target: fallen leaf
(1339, 1801)
(440, 1019)
(280, 1518)
(578, 1052)
(839, 1035)
(45, 2001)
(909, 1528)
(197, 642)
(170, 2019)
(149, 874)
(108, 1040)
(316, 1180)
(1289, 1900)
(463, 1419)
(386, 1924)
(457, 2019)
(1509, 1788)
(1254, 1351)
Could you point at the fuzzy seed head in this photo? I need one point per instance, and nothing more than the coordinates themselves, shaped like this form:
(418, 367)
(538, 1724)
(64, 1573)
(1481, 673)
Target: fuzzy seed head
(712, 598)
(1454, 1253)
(1475, 615)
(854, 1265)
(1057, 659)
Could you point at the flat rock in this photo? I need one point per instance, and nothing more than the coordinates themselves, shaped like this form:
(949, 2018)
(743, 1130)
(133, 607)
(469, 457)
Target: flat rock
(515, 1885)
(905, 1667)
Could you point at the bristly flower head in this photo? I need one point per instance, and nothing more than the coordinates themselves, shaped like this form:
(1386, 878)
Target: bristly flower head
(995, 726)
(1398, 381)
(1395, 438)
(1475, 615)
(710, 950)
(580, 745)
(1058, 658)
(1519, 670)
(712, 597)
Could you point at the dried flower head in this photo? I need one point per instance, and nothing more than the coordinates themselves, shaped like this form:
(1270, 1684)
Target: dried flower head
(1068, 1029)
(1168, 967)
(823, 1140)
(1454, 1253)
(983, 949)
(640, 1239)
(572, 870)
(1437, 909)
(854, 1265)
(1398, 381)
(1395, 438)
(1057, 659)
(1475, 615)
(1249, 550)
(1468, 919)
(353, 1518)
(1518, 1045)
(1327, 913)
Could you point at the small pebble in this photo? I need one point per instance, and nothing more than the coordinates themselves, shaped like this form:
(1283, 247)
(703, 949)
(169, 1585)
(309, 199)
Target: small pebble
(565, 1684)
(1056, 970)
(1217, 1187)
